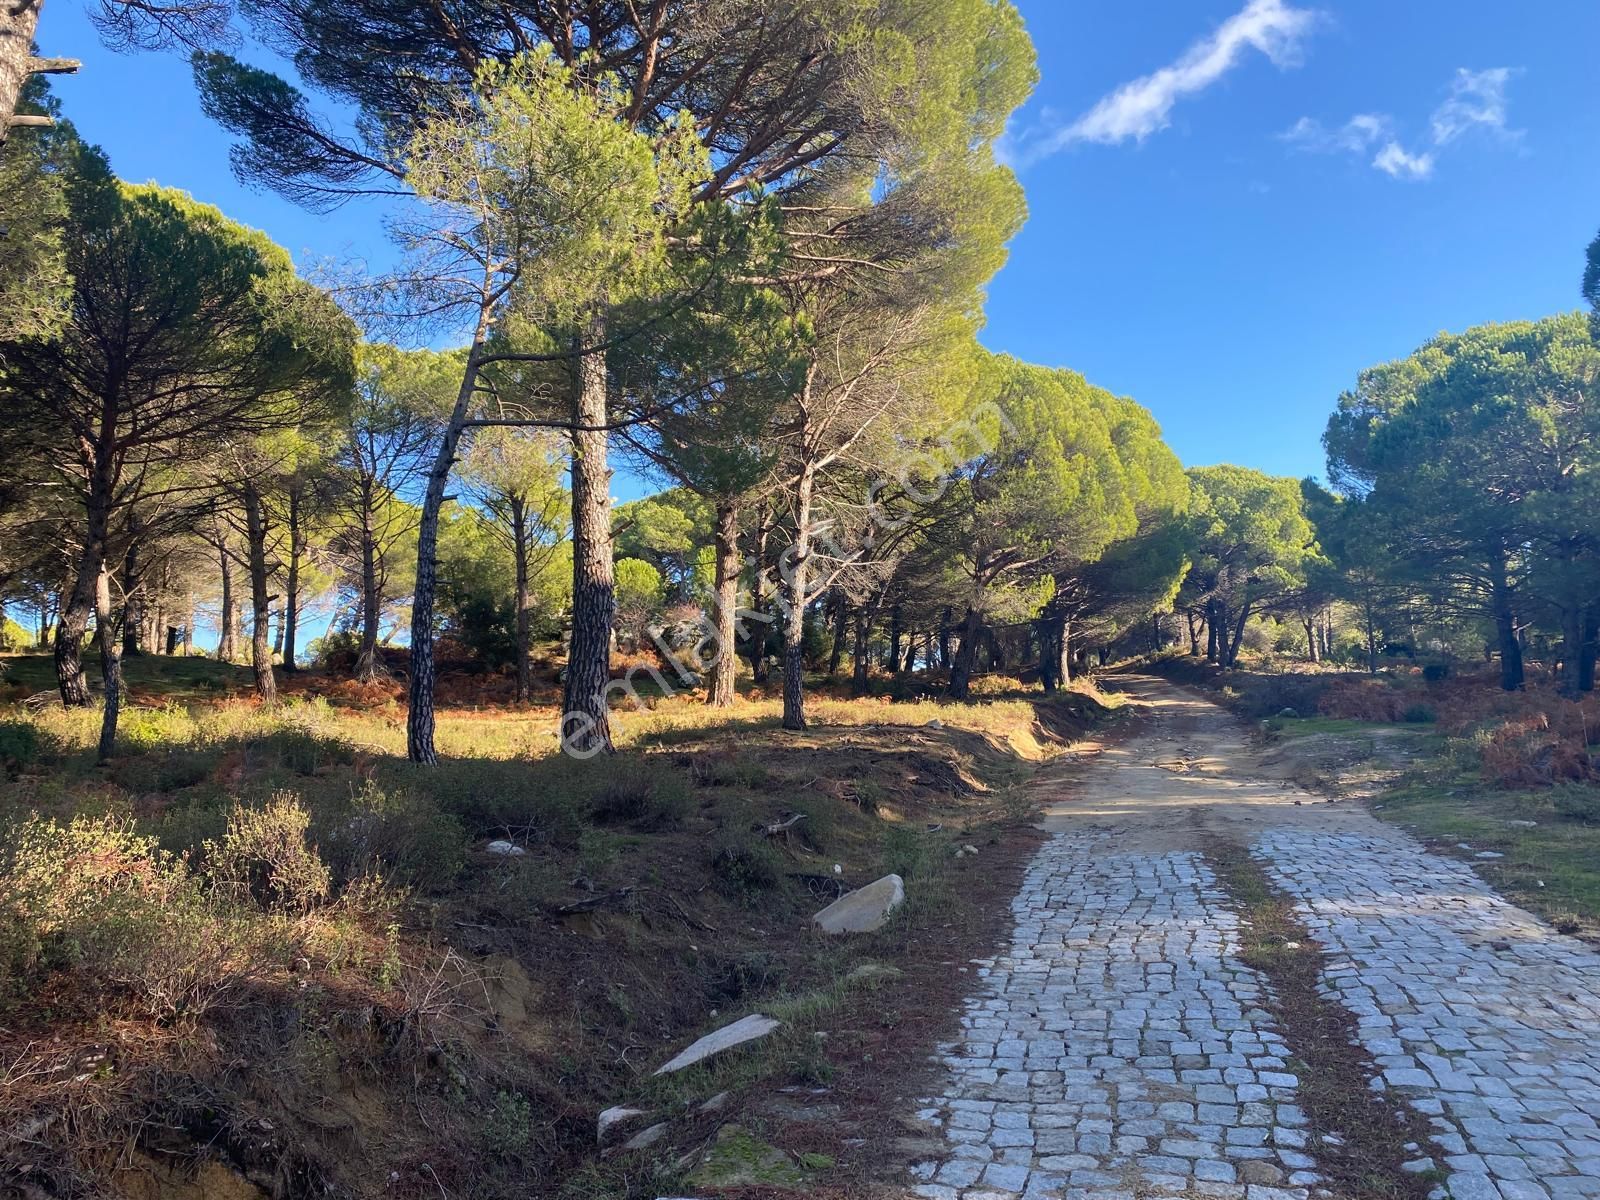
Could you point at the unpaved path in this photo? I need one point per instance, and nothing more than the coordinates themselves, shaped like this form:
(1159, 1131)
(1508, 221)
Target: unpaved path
(1120, 1047)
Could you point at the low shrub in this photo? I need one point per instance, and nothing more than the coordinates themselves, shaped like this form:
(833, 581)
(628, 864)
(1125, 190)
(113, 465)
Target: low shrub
(1577, 802)
(1539, 748)
(1419, 714)
(95, 897)
(398, 835)
(745, 868)
(645, 795)
(1362, 700)
(21, 746)
(264, 856)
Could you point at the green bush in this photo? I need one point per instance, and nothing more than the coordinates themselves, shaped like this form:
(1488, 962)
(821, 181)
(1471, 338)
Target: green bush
(491, 796)
(744, 869)
(265, 857)
(646, 795)
(398, 835)
(1577, 802)
(95, 897)
(1419, 714)
(20, 747)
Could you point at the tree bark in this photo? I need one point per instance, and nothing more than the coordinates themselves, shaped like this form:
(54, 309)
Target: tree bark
(133, 607)
(841, 626)
(110, 665)
(524, 602)
(1212, 622)
(1050, 639)
(724, 668)
(896, 633)
(1571, 651)
(82, 600)
(1590, 649)
(291, 597)
(858, 663)
(260, 603)
(966, 654)
(586, 723)
(794, 604)
(944, 637)
(1312, 651)
(226, 647)
(19, 19)
(1505, 625)
(367, 668)
(758, 596)
(1237, 641)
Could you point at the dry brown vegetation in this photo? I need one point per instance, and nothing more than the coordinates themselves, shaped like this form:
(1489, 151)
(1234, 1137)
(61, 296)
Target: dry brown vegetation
(258, 953)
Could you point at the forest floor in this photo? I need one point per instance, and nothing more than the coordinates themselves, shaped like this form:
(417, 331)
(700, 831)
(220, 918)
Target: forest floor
(192, 1004)
(1220, 983)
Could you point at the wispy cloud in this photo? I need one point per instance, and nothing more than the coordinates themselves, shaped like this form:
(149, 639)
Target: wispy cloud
(1144, 106)
(1476, 100)
(1395, 161)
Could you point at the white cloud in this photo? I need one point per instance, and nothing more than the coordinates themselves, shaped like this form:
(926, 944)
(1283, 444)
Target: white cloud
(1355, 136)
(1394, 161)
(1477, 98)
(1144, 106)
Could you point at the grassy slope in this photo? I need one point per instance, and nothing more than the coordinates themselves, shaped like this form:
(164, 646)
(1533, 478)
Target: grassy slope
(461, 1024)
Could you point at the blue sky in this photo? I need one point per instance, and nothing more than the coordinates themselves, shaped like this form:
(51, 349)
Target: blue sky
(1235, 204)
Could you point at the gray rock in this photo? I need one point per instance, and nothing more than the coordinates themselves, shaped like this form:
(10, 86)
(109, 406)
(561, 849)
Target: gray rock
(646, 1137)
(505, 849)
(747, 1029)
(612, 1118)
(864, 909)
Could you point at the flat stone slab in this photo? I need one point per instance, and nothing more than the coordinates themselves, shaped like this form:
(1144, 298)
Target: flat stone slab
(748, 1029)
(864, 909)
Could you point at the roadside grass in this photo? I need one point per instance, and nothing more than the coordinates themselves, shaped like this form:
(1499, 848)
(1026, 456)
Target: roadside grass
(306, 925)
(1549, 837)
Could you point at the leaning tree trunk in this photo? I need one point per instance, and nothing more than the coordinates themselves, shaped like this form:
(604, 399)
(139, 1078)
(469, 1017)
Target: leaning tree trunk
(255, 525)
(1237, 642)
(291, 588)
(519, 548)
(794, 605)
(724, 667)
(110, 665)
(419, 690)
(586, 721)
(966, 654)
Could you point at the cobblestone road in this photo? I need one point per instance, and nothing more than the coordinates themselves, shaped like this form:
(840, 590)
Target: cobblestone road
(1118, 1049)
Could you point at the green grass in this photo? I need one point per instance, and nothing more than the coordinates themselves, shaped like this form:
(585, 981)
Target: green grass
(191, 678)
(1552, 867)
(1306, 726)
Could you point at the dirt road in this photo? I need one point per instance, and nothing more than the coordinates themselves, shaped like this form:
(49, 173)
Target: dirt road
(1121, 1046)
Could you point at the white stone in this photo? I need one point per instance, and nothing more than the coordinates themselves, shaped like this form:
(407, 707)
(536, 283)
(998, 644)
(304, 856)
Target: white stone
(864, 909)
(747, 1029)
(505, 849)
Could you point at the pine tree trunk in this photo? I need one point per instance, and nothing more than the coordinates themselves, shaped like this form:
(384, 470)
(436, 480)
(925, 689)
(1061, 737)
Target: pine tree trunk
(1050, 631)
(586, 723)
(110, 665)
(19, 20)
(759, 629)
(1505, 624)
(841, 626)
(1312, 651)
(524, 602)
(966, 654)
(1212, 621)
(794, 604)
(944, 638)
(291, 598)
(419, 688)
(1237, 642)
(226, 647)
(133, 607)
(895, 635)
(858, 664)
(371, 601)
(1590, 648)
(260, 602)
(724, 668)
